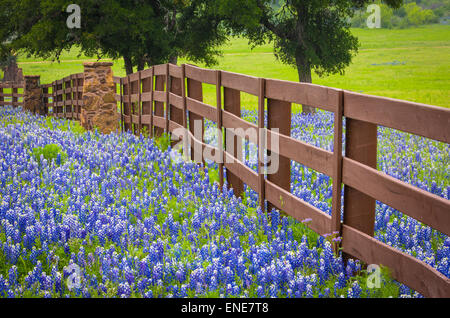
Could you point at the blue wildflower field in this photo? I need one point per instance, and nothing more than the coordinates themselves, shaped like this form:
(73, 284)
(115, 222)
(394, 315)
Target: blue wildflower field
(130, 221)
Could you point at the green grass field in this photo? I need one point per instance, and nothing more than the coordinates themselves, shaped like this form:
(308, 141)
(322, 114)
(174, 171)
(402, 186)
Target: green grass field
(411, 64)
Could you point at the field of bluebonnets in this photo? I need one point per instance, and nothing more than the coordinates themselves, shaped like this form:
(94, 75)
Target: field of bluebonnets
(90, 215)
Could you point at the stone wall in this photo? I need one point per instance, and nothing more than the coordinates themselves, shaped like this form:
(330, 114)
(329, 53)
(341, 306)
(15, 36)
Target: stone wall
(32, 95)
(99, 108)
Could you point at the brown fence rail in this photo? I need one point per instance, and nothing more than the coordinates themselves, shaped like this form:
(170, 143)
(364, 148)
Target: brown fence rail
(15, 97)
(166, 97)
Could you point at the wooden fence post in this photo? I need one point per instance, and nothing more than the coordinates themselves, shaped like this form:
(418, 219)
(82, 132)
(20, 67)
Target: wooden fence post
(44, 99)
(176, 114)
(122, 94)
(53, 104)
(232, 104)
(68, 97)
(2, 99)
(14, 96)
(140, 102)
(337, 170)
(184, 111)
(80, 85)
(75, 106)
(261, 143)
(147, 106)
(60, 99)
(127, 103)
(361, 146)
(135, 105)
(279, 116)
(195, 91)
(159, 106)
(167, 98)
(219, 125)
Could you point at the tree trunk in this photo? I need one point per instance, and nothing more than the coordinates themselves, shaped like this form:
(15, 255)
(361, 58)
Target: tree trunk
(12, 72)
(173, 59)
(128, 65)
(141, 64)
(304, 76)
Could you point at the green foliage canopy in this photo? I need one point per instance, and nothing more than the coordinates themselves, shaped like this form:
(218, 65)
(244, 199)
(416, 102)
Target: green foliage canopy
(141, 32)
(308, 34)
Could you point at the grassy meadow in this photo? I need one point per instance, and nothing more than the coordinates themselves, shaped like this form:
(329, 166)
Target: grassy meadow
(410, 64)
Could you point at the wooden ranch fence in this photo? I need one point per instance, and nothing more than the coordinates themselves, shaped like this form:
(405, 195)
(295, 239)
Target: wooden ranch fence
(144, 95)
(166, 97)
(64, 98)
(15, 97)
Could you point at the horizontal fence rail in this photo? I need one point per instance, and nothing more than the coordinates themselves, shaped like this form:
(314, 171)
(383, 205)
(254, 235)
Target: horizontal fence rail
(11, 94)
(167, 97)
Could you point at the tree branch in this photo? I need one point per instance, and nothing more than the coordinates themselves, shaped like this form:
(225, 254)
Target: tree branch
(269, 25)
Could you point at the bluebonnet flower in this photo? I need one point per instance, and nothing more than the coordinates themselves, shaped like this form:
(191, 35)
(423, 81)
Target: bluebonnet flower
(125, 196)
(354, 291)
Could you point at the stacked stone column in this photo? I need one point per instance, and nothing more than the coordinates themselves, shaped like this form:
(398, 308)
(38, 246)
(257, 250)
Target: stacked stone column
(99, 110)
(32, 95)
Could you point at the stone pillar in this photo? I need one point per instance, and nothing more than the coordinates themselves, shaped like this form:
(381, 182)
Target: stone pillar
(32, 95)
(11, 72)
(99, 108)
(19, 78)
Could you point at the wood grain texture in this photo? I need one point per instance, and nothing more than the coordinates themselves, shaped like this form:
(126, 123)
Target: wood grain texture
(159, 122)
(279, 117)
(313, 157)
(241, 171)
(219, 119)
(403, 267)
(361, 146)
(420, 119)
(240, 82)
(230, 120)
(195, 92)
(135, 101)
(127, 106)
(336, 204)
(175, 71)
(201, 109)
(417, 203)
(159, 104)
(233, 143)
(283, 200)
(147, 111)
(160, 69)
(261, 143)
(322, 97)
(176, 101)
(200, 74)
